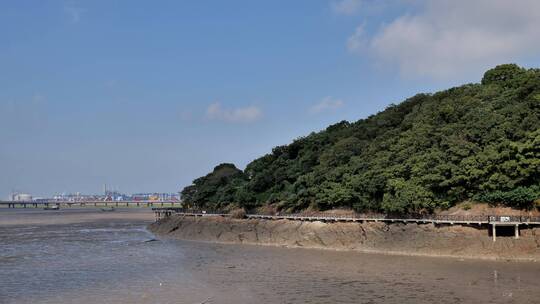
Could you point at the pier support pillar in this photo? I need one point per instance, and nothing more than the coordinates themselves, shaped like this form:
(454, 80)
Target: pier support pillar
(493, 231)
(516, 230)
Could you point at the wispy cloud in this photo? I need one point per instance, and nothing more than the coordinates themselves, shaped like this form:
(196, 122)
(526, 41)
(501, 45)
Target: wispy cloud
(346, 7)
(74, 12)
(445, 39)
(357, 41)
(235, 115)
(326, 104)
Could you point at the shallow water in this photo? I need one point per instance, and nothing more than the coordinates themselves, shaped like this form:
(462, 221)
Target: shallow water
(92, 257)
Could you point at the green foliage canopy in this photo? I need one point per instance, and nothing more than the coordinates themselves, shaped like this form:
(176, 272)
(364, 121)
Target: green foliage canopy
(476, 141)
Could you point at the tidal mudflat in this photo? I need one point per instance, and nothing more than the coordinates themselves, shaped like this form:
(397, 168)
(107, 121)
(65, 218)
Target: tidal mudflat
(89, 256)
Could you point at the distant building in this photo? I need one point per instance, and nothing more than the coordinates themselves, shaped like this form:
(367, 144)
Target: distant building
(21, 197)
(107, 196)
(156, 197)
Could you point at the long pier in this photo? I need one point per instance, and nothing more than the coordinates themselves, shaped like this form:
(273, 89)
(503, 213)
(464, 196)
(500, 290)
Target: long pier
(34, 204)
(490, 220)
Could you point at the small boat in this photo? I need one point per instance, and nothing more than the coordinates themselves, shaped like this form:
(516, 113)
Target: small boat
(109, 209)
(53, 207)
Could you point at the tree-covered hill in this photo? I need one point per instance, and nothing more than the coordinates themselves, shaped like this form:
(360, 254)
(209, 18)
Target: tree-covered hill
(474, 142)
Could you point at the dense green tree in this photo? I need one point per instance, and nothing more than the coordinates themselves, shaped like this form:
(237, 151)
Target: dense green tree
(216, 189)
(476, 141)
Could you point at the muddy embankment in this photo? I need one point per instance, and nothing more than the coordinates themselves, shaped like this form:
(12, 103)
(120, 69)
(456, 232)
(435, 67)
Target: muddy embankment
(393, 238)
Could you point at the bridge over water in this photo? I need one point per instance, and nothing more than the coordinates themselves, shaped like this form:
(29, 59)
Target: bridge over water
(41, 204)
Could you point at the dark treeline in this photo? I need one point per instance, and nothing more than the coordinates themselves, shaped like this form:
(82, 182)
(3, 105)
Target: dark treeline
(476, 142)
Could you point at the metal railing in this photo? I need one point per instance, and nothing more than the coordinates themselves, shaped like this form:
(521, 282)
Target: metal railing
(352, 216)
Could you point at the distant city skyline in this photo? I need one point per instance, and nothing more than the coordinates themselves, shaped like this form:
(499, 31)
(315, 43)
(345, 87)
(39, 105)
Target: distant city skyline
(103, 191)
(148, 96)
(105, 195)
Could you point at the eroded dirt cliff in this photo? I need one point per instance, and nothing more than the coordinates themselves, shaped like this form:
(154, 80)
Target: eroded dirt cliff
(394, 238)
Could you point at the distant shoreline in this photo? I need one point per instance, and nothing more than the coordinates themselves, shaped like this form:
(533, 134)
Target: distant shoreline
(34, 216)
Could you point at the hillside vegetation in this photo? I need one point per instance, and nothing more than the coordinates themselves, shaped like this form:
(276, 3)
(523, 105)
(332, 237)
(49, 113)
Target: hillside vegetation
(476, 142)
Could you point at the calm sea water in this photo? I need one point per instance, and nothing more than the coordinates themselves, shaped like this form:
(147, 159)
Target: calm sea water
(92, 257)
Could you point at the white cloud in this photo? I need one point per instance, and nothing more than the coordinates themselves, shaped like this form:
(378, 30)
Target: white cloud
(235, 115)
(357, 41)
(447, 38)
(74, 13)
(346, 7)
(326, 104)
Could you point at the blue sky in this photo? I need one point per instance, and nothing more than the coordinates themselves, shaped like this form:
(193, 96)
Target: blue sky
(146, 95)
